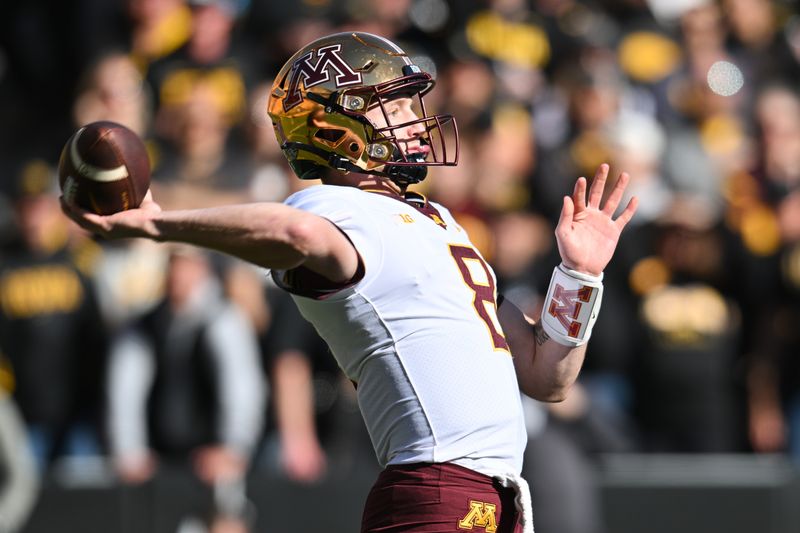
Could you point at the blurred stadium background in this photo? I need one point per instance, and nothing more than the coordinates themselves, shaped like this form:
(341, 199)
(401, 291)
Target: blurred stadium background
(687, 414)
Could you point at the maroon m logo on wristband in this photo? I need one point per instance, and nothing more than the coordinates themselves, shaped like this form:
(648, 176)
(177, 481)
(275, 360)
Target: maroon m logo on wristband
(565, 306)
(327, 58)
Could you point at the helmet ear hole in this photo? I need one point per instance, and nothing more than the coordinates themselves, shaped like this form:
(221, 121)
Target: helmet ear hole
(329, 135)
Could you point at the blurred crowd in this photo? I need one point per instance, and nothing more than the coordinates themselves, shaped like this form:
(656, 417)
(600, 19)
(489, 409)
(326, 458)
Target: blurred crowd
(156, 355)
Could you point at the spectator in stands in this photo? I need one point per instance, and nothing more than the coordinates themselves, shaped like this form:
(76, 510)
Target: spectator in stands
(201, 161)
(51, 329)
(770, 230)
(672, 356)
(185, 383)
(211, 55)
(319, 433)
(761, 47)
(145, 29)
(200, 92)
(584, 98)
(113, 89)
(128, 275)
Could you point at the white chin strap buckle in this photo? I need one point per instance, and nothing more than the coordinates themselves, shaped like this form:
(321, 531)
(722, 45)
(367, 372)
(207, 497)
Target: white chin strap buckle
(571, 306)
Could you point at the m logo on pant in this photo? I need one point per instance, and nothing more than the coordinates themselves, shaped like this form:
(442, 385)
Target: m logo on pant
(480, 514)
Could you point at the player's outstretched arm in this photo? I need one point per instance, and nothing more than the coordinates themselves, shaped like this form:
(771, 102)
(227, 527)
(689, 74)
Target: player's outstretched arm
(270, 235)
(548, 355)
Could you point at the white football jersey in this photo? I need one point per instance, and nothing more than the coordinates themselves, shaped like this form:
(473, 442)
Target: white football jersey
(419, 334)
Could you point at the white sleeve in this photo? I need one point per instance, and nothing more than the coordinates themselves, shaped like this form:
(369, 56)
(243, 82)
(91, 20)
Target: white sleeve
(130, 376)
(343, 207)
(242, 386)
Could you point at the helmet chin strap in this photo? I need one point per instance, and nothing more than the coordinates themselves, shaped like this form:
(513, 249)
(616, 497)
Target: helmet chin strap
(402, 175)
(405, 175)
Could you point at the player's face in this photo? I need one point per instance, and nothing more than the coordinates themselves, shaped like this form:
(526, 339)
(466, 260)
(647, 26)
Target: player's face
(401, 111)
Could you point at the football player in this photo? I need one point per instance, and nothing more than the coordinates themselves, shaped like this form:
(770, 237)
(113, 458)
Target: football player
(393, 284)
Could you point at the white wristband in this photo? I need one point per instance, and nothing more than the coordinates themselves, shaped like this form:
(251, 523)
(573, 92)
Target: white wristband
(571, 306)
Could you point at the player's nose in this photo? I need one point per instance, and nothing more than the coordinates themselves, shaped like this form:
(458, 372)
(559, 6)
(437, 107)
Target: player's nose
(416, 128)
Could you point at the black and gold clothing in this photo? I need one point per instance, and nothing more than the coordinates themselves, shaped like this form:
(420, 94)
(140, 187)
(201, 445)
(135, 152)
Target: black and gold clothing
(54, 337)
(687, 369)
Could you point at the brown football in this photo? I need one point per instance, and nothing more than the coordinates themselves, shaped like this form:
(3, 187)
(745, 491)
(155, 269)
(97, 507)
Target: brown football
(104, 168)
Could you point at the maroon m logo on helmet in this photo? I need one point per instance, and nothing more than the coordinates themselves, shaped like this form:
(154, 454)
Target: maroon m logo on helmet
(327, 58)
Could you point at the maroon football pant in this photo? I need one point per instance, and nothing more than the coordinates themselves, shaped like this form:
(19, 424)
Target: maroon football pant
(438, 498)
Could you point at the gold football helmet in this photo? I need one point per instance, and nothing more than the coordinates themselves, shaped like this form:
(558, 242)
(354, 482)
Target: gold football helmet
(320, 98)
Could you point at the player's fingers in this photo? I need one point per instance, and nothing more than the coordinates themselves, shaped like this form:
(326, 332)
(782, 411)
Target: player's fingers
(627, 214)
(598, 184)
(579, 194)
(72, 211)
(567, 212)
(616, 194)
(88, 221)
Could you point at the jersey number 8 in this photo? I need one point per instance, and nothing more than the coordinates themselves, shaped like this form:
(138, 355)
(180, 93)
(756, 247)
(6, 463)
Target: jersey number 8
(478, 278)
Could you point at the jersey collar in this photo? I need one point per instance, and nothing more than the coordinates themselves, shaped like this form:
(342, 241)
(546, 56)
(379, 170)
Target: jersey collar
(414, 199)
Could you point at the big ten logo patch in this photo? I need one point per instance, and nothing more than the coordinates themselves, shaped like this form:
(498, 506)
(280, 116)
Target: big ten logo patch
(480, 514)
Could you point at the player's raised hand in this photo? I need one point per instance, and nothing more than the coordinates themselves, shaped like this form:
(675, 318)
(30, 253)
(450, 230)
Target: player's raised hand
(587, 233)
(130, 223)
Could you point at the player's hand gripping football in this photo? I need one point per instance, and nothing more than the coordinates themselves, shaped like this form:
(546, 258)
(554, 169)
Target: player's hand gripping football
(587, 233)
(130, 223)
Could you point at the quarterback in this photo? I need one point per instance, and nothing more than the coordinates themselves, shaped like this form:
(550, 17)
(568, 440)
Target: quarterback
(393, 284)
